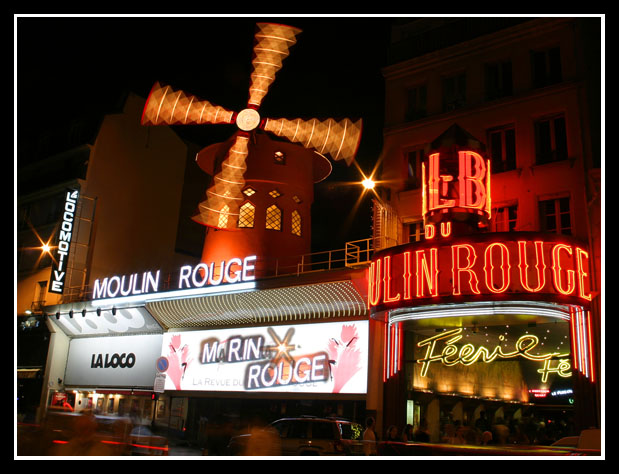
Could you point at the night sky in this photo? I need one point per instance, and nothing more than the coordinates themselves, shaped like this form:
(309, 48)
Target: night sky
(77, 67)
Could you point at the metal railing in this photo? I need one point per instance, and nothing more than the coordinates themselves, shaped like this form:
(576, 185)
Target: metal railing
(355, 254)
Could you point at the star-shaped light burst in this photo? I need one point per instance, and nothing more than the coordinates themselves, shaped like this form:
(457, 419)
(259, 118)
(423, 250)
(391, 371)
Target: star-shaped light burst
(281, 348)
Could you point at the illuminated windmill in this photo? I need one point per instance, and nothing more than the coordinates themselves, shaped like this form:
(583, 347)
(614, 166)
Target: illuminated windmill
(166, 106)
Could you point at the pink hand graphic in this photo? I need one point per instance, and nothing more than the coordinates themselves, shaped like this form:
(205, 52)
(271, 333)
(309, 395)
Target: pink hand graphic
(179, 360)
(345, 357)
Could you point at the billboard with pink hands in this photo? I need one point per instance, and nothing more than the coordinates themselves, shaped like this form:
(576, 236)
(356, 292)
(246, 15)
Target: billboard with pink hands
(308, 358)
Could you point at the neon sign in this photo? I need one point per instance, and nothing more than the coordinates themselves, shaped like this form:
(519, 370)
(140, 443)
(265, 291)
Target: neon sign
(496, 265)
(199, 276)
(466, 354)
(470, 190)
(56, 284)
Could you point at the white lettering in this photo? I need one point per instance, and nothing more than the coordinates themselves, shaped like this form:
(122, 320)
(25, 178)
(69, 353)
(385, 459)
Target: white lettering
(100, 289)
(184, 277)
(247, 267)
(201, 270)
(237, 273)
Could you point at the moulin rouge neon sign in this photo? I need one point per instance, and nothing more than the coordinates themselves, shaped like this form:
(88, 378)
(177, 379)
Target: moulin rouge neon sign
(494, 265)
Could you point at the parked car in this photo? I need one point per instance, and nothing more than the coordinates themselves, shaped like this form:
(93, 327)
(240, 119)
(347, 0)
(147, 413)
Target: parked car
(308, 436)
(144, 442)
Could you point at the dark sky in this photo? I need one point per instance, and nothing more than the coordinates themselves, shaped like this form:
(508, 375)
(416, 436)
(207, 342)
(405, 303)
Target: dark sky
(77, 66)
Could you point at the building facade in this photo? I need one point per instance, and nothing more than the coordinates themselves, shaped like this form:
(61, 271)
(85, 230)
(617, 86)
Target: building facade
(525, 96)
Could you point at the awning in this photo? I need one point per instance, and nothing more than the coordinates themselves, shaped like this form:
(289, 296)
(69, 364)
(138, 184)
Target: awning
(28, 373)
(339, 299)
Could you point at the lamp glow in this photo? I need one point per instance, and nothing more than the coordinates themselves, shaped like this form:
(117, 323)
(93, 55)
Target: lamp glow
(368, 183)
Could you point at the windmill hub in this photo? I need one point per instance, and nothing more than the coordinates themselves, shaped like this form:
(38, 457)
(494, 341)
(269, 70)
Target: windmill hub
(248, 119)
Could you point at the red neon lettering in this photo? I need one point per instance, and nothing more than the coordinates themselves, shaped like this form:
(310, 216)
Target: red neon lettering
(472, 173)
(456, 268)
(427, 273)
(539, 268)
(434, 180)
(407, 275)
(430, 231)
(580, 253)
(374, 283)
(445, 229)
(387, 291)
(504, 266)
(556, 270)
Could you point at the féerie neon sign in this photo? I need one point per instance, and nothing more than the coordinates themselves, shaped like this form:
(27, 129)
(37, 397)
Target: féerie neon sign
(467, 354)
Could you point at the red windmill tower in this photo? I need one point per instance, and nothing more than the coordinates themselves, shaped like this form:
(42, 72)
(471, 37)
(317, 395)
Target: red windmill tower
(261, 192)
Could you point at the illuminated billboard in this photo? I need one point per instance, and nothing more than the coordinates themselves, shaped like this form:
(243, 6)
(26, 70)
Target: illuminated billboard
(307, 358)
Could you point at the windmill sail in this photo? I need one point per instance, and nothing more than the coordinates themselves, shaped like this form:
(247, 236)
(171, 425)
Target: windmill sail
(166, 106)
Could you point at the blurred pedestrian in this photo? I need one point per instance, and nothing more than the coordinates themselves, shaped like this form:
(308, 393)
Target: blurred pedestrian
(407, 433)
(486, 438)
(369, 438)
(84, 441)
(392, 434)
(422, 434)
(500, 431)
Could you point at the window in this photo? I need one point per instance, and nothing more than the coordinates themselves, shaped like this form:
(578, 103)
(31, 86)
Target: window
(297, 199)
(502, 144)
(414, 159)
(555, 216)
(247, 212)
(275, 193)
(249, 192)
(223, 216)
(296, 223)
(322, 430)
(416, 103)
(279, 158)
(274, 218)
(416, 231)
(498, 80)
(454, 92)
(545, 67)
(550, 139)
(504, 218)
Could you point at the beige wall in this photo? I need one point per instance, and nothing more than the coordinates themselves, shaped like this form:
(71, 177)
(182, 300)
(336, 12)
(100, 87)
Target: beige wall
(136, 176)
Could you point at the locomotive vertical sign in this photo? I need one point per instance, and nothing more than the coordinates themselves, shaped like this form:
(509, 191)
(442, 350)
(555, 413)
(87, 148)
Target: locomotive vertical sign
(60, 256)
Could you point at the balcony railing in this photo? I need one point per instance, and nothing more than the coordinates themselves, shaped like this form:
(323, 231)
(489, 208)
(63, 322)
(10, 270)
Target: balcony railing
(355, 254)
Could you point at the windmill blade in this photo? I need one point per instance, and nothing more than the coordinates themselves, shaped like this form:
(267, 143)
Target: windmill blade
(272, 46)
(223, 198)
(340, 139)
(166, 106)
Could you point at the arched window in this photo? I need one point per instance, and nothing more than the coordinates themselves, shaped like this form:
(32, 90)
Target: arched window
(223, 216)
(296, 223)
(274, 218)
(247, 212)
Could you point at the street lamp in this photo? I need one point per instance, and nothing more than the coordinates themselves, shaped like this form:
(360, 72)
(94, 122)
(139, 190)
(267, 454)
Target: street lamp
(368, 183)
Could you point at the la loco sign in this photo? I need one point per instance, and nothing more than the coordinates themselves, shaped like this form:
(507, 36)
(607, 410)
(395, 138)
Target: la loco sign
(483, 266)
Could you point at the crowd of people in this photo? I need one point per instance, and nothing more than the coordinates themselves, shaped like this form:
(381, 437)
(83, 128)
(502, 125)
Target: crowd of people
(483, 432)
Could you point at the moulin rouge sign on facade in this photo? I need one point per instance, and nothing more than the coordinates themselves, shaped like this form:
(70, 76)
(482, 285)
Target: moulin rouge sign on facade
(474, 265)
